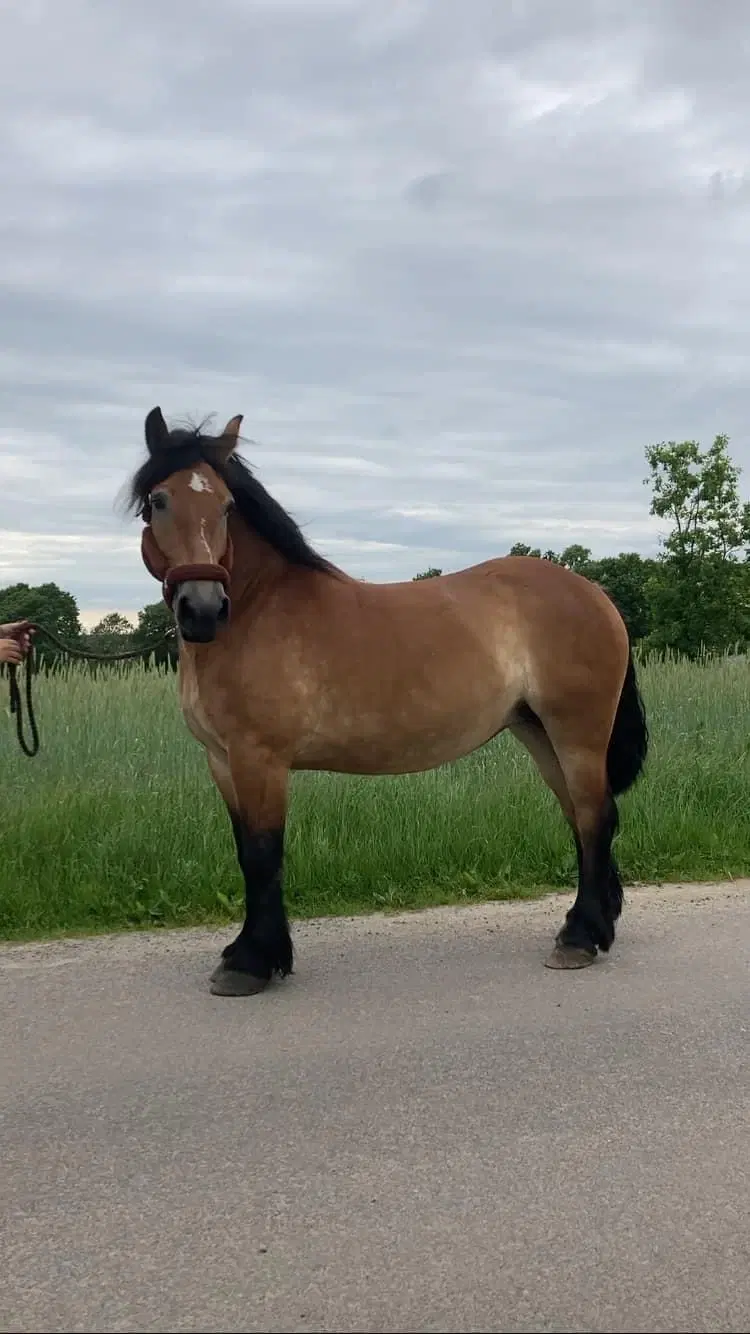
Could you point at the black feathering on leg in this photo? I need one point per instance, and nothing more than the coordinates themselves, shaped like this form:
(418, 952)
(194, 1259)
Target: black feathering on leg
(590, 923)
(263, 946)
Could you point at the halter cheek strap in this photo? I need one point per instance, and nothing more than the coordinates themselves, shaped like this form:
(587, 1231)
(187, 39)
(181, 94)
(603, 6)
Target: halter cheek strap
(152, 555)
(170, 577)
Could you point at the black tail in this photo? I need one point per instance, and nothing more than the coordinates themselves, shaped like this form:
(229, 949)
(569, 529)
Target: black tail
(628, 743)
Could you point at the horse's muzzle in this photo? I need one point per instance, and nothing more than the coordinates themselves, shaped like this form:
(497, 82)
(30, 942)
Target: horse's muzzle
(200, 606)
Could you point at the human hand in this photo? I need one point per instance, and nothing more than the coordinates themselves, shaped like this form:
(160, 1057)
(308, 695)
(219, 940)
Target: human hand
(18, 632)
(11, 651)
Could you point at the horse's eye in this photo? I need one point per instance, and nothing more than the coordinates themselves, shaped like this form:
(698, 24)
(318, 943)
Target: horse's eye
(158, 501)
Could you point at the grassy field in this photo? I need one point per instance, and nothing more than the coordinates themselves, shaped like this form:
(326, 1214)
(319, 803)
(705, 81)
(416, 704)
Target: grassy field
(116, 822)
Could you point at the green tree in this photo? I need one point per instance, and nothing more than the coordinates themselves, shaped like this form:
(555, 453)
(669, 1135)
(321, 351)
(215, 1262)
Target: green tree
(580, 560)
(699, 591)
(112, 634)
(432, 573)
(699, 492)
(627, 579)
(154, 621)
(50, 607)
(522, 549)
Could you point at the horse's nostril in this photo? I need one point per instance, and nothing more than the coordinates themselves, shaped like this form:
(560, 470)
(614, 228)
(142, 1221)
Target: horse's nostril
(200, 610)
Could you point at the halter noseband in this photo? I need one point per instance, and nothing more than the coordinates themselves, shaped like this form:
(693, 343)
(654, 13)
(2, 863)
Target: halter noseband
(180, 574)
(170, 577)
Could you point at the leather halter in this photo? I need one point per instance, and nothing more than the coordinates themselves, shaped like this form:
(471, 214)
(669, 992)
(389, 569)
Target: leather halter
(171, 576)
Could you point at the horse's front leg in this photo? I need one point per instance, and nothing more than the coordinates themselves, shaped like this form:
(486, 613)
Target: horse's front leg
(255, 790)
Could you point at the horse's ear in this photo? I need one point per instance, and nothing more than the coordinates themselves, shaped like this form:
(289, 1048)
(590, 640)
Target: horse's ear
(157, 432)
(229, 438)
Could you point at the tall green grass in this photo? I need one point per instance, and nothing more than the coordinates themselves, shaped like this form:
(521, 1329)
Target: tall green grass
(116, 823)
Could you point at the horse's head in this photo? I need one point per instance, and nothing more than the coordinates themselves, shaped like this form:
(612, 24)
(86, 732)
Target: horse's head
(186, 542)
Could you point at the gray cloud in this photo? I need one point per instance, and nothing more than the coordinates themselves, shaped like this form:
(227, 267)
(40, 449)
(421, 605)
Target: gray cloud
(457, 265)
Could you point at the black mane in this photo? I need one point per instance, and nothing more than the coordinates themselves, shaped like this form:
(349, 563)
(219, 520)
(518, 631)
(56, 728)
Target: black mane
(264, 515)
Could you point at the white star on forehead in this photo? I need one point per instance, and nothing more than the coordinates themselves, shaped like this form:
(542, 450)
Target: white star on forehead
(200, 483)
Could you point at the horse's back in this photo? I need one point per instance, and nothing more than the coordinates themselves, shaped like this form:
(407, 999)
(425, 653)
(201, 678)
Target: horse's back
(518, 597)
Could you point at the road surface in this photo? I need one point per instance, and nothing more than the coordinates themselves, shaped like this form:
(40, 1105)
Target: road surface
(423, 1130)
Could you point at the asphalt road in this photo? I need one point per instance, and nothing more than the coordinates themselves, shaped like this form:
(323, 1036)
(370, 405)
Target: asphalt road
(423, 1130)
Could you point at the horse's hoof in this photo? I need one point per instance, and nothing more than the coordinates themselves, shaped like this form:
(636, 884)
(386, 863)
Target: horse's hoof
(229, 982)
(570, 956)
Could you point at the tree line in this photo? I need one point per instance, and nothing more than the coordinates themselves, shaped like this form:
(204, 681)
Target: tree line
(57, 610)
(693, 597)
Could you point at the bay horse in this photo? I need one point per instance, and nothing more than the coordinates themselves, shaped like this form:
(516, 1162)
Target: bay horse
(314, 669)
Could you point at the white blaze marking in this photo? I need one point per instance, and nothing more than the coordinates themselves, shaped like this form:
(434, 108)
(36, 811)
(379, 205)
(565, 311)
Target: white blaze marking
(204, 539)
(200, 483)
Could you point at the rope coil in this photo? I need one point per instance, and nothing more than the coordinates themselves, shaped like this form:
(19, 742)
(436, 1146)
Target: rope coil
(17, 699)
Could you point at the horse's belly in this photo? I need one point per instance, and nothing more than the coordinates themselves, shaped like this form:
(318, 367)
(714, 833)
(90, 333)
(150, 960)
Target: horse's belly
(384, 749)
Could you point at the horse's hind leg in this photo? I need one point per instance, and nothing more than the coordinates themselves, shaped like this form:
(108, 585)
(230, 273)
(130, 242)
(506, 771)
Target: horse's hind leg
(590, 923)
(255, 794)
(529, 730)
(583, 792)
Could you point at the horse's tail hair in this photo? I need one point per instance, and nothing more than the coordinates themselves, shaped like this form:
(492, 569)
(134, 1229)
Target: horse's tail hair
(628, 744)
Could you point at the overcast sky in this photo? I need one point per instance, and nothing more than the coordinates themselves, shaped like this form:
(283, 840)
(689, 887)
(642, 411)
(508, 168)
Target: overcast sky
(456, 263)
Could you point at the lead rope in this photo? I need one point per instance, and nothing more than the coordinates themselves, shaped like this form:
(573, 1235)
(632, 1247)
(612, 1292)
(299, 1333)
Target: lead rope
(17, 700)
(16, 706)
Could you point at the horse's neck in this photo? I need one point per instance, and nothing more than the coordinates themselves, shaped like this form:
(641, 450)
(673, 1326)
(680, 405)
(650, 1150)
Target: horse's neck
(255, 564)
(257, 568)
